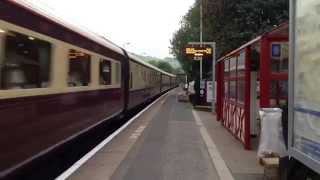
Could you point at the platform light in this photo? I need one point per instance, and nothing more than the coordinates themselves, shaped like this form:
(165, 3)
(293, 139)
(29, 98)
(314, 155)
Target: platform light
(2, 31)
(31, 38)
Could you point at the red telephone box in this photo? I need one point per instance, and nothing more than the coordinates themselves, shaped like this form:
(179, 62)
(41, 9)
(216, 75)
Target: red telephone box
(251, 77)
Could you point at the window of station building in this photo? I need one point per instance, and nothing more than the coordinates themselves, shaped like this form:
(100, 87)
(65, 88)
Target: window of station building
(255, 57)
(226, 68)
(279, 57)
(25, 61)
(79, 68)
(233, 90)
(241, 90)
(233, 66)
(226, 89)
(279, 89)
(241, 64)
(105, 72)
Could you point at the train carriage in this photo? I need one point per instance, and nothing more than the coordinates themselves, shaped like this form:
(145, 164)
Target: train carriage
(55, 83)
(58, 82)
(146, 81)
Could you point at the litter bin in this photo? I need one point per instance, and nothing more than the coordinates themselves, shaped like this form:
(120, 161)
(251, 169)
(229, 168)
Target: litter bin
(271, 136)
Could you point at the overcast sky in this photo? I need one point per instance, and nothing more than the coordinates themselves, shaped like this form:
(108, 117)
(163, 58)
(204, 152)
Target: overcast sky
(148, 25)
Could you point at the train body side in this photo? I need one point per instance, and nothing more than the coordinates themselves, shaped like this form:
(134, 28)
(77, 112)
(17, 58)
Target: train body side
(165, 82)
(144, 84)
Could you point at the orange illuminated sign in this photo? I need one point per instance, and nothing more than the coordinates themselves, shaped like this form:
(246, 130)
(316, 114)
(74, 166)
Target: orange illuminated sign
(205, 51)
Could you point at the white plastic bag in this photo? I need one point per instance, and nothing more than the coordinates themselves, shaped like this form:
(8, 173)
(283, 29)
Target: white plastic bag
(271, 138)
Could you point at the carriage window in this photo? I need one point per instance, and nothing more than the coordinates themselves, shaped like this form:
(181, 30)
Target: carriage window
(79, 68)
(118, 72)
(25, 63)
(131, 80)
(105, 72)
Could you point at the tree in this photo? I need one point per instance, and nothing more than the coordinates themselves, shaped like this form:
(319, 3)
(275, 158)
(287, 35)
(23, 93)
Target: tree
(229, 23)
(165, 66)
(153, 62)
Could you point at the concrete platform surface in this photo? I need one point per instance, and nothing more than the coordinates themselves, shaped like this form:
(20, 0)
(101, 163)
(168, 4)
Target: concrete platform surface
(171, 148)
(171, 141)
(242, 163)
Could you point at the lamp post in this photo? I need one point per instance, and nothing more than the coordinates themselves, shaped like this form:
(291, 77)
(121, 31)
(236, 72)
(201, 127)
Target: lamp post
(201, 29)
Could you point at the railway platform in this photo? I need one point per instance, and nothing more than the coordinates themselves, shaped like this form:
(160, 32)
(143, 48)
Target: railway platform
(169, 141)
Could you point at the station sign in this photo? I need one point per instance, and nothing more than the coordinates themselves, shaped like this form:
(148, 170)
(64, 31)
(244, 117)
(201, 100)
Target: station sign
(199, 53)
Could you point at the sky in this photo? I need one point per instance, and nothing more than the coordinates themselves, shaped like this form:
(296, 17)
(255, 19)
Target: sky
(144, 27)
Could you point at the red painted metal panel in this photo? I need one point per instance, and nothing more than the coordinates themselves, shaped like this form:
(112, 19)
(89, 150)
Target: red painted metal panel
(264, 72)
(247, 97)
(220, 90)
(279, 76)
(278, 39)
(235, 116)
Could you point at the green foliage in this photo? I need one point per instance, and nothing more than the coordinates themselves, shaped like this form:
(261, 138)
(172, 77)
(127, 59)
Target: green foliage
(229, 23)
(153, 62)
(165, 66)
(168, 64)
